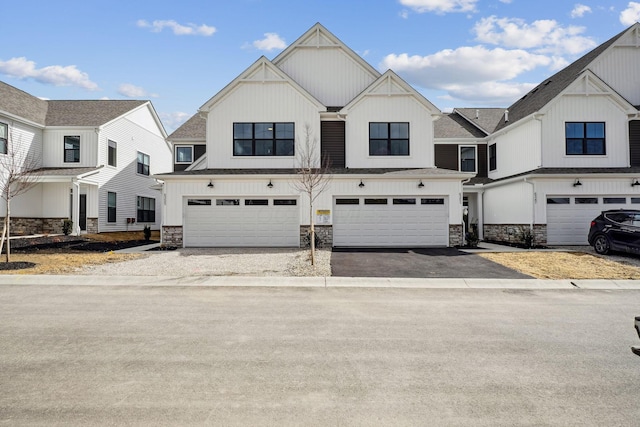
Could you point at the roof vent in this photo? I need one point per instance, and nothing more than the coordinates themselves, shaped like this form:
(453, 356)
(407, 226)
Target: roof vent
(477, 114)
(506, 116)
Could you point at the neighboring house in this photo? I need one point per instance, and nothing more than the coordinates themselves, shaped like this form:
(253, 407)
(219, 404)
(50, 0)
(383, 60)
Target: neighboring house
(376, 132)
(95, 161)
(565, 151)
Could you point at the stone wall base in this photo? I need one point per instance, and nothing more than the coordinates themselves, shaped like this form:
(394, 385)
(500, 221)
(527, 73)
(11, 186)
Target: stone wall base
(515, 233)
(455, 235)
(28, 226)
(92, 225)
(172, 235)
(324, 236)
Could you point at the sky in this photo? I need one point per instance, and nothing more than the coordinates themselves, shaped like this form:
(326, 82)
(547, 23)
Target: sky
(457, 53)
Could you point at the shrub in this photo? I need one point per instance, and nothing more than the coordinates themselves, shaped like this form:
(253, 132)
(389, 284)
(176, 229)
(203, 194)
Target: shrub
(147, 233)
(67, 226)
(526, 237)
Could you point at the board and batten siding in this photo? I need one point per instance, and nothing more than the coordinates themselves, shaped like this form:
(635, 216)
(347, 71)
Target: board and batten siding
(517, 150)
(396, 108)
(508, 204)
(328, 73)
(578, 108)
(619, 67)
(255, 102)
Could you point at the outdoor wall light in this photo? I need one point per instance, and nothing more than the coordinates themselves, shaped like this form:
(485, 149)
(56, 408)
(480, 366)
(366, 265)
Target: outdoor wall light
(577, 183)
(361, 184)
(421, 185)
(210, 184)
(270, 185)
(635, 182)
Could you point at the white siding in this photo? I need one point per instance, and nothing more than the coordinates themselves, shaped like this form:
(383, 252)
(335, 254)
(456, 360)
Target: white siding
(518, 149)
(576, 108)
(329, 74)
(53, 153)
(253, 103)
(377, 108)
(619, 68)
(509, 204)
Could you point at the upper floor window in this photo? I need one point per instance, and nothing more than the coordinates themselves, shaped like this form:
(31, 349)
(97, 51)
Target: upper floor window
(388, 139)
(184, 154)
(492, 157)
(111, 206)
(72, 149)
(143, 164)
(146, 209)
(263, 139)
(585, 138)
(112, 153)
(4, 138)
(468, 158)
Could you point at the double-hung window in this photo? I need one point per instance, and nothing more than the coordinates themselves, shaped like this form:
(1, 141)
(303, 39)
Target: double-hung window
(493, 157)
(388, 139)
(585, 138)
(112, 153)
(263, 139)
(467, 159)
(4, 138)
(146, 209)
(72, 149)
(111, 207)
(143, 164)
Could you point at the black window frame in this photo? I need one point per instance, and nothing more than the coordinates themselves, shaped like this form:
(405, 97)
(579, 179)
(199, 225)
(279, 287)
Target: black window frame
(74, 150)
(389, 139)
(4, 140)
(493, 157)
(145, 209)
(279, 145)
(179, 147)
(198, 202)
(285, 202)
(585, 140)
(112, 153)
(475, 158)
(112, 211)
(143, 168)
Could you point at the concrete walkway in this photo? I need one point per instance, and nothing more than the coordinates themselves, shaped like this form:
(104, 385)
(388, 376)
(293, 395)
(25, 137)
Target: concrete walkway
(313, 282)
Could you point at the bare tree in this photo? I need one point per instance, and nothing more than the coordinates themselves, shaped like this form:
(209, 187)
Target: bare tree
(313, 179)
(18, 174)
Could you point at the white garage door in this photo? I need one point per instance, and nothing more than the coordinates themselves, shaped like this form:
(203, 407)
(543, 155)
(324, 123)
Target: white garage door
(390, 222)
(569, 217)
(248, 222)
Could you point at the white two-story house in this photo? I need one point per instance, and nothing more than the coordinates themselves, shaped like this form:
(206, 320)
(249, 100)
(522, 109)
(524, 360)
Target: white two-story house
(373, 130)
(93, 162)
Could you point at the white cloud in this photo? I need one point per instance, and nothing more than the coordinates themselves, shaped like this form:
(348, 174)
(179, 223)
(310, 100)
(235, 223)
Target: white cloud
(544, 36)
(440, 6)
(56, 75)
(579, 10)
(506, 1)
(173, 121)
(631, 14)
(178, 29)
(132, 91)
(493, 93)
(271, 41)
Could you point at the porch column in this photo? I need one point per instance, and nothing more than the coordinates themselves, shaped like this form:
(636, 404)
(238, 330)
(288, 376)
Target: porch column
(479, 200)
(76, 207)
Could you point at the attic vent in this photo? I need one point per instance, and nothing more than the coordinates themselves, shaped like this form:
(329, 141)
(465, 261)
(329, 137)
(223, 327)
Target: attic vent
(547, 82)
(477, 114)
(506, 116)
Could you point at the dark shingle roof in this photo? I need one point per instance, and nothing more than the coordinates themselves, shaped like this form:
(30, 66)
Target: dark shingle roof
(487, 118)
(333, 171)
(193, 129)
(21, 104)
(539, 96)
(88, 113)
(455, 126)
(64, 171)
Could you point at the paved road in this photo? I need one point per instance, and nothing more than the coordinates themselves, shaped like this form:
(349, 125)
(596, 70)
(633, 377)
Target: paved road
(100, 355)
(414, 263)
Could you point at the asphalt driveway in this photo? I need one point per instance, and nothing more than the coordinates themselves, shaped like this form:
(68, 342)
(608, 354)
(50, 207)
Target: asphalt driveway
(416, 263)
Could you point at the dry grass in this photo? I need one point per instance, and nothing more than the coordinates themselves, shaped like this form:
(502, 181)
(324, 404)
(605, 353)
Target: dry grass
(49, 262)
(563, 265)
(121, 236)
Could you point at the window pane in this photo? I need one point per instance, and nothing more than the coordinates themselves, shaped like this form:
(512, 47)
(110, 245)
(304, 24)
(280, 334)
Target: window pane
(468, 159)
(242, 148)
(432, 201)
(375, 201)
(557, 200)
(378, 130)
(4, 130)
(264, 148)
(184, 155)
(404, 201)
(227, 202)
(586, 201)
(242, 131)
(574, 130)
(400, 147)
(284, 202)
(347, 201)
(378, 147)
(199, 202)
(399, 130)
(615, 200)
(256, 202)
(284, 131)
(595, 130)
(574, 146)
(595, 146)
(264, 130)
(284, 147)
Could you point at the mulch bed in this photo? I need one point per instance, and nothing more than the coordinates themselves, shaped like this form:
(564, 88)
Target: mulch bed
(16, 265)
(71, 243)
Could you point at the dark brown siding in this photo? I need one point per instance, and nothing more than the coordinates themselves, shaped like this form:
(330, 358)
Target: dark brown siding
(446, 156)
(482, 161)
(634, 142)
(332, 143)
(198, 151)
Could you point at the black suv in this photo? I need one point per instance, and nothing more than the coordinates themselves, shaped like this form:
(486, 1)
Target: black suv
(616, 230)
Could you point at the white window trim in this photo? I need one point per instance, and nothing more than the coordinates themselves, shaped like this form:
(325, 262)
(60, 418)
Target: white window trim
(149, 156)
(108, 149)
(475, 157)
(175, 154)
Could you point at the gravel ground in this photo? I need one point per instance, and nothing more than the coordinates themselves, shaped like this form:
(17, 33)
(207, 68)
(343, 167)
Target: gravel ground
(220, 262)
(628, 259)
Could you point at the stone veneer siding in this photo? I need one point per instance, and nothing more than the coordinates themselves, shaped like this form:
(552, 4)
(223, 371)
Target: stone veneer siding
(27, 226)
(172, 235)
(92, 225)
(512, 233)
(324, 236)
(455, 234)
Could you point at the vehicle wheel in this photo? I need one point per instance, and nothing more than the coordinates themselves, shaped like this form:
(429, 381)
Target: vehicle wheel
(601, 244)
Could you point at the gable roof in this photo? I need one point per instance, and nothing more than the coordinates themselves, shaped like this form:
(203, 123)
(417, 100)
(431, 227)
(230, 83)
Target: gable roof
(193, 129)
(88, 113)
(546, 91)
(318, 36)
(262, 70)
(453, 125)
(485, 119)
(18, 103)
